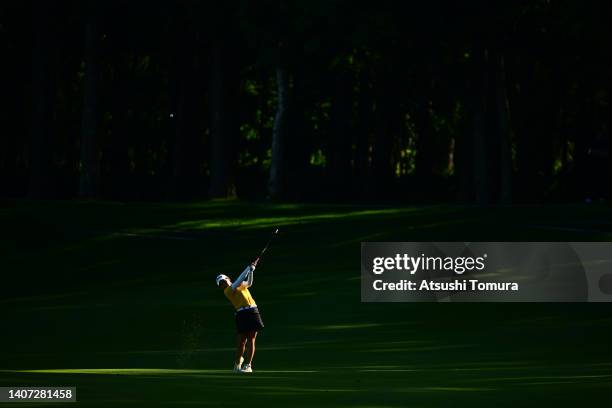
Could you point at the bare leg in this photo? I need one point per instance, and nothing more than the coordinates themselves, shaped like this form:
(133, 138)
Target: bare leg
(251, 337)
(240, 346)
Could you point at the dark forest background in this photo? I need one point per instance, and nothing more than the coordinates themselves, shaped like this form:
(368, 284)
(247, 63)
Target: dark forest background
(473, 102)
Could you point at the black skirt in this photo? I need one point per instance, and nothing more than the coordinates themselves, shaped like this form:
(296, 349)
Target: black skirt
(248, 320)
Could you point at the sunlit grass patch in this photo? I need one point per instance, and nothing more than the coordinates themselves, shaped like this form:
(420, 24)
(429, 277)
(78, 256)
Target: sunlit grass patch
(259, 222)
(147, 371)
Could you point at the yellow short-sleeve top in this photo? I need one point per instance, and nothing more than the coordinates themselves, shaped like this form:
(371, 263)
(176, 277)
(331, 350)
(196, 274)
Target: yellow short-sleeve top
(241, 297)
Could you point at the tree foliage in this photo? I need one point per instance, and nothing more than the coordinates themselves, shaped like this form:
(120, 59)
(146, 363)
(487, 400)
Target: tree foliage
(481, 102)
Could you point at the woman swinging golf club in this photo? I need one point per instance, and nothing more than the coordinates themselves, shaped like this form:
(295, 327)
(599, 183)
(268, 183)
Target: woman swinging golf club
(248, 320)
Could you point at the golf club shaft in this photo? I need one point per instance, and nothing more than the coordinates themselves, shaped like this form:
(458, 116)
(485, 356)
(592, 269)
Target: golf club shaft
(268, 244)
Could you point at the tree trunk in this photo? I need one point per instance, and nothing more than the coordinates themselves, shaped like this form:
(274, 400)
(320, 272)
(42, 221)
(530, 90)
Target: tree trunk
(425, 149)
(90, 159)
(535, 118)
(297, 153)
(13, 115)
(478, 149)
(389, 129)
(364, 127)
(503, 133)
(277, 178)
(340, 143)
(187, 158)
(488, 152)
(44, 62)
(224, 128)
(116, 164)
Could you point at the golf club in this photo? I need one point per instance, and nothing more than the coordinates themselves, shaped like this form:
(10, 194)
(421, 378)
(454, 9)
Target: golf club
(267, 245)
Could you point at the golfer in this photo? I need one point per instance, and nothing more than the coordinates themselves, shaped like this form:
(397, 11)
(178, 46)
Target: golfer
(248, 320)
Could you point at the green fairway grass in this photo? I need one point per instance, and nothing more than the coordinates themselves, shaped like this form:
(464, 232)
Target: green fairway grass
(120, 301)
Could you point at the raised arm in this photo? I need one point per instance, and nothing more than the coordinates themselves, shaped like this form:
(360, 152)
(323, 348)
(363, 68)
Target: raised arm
(249, 279)
(245, 278)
